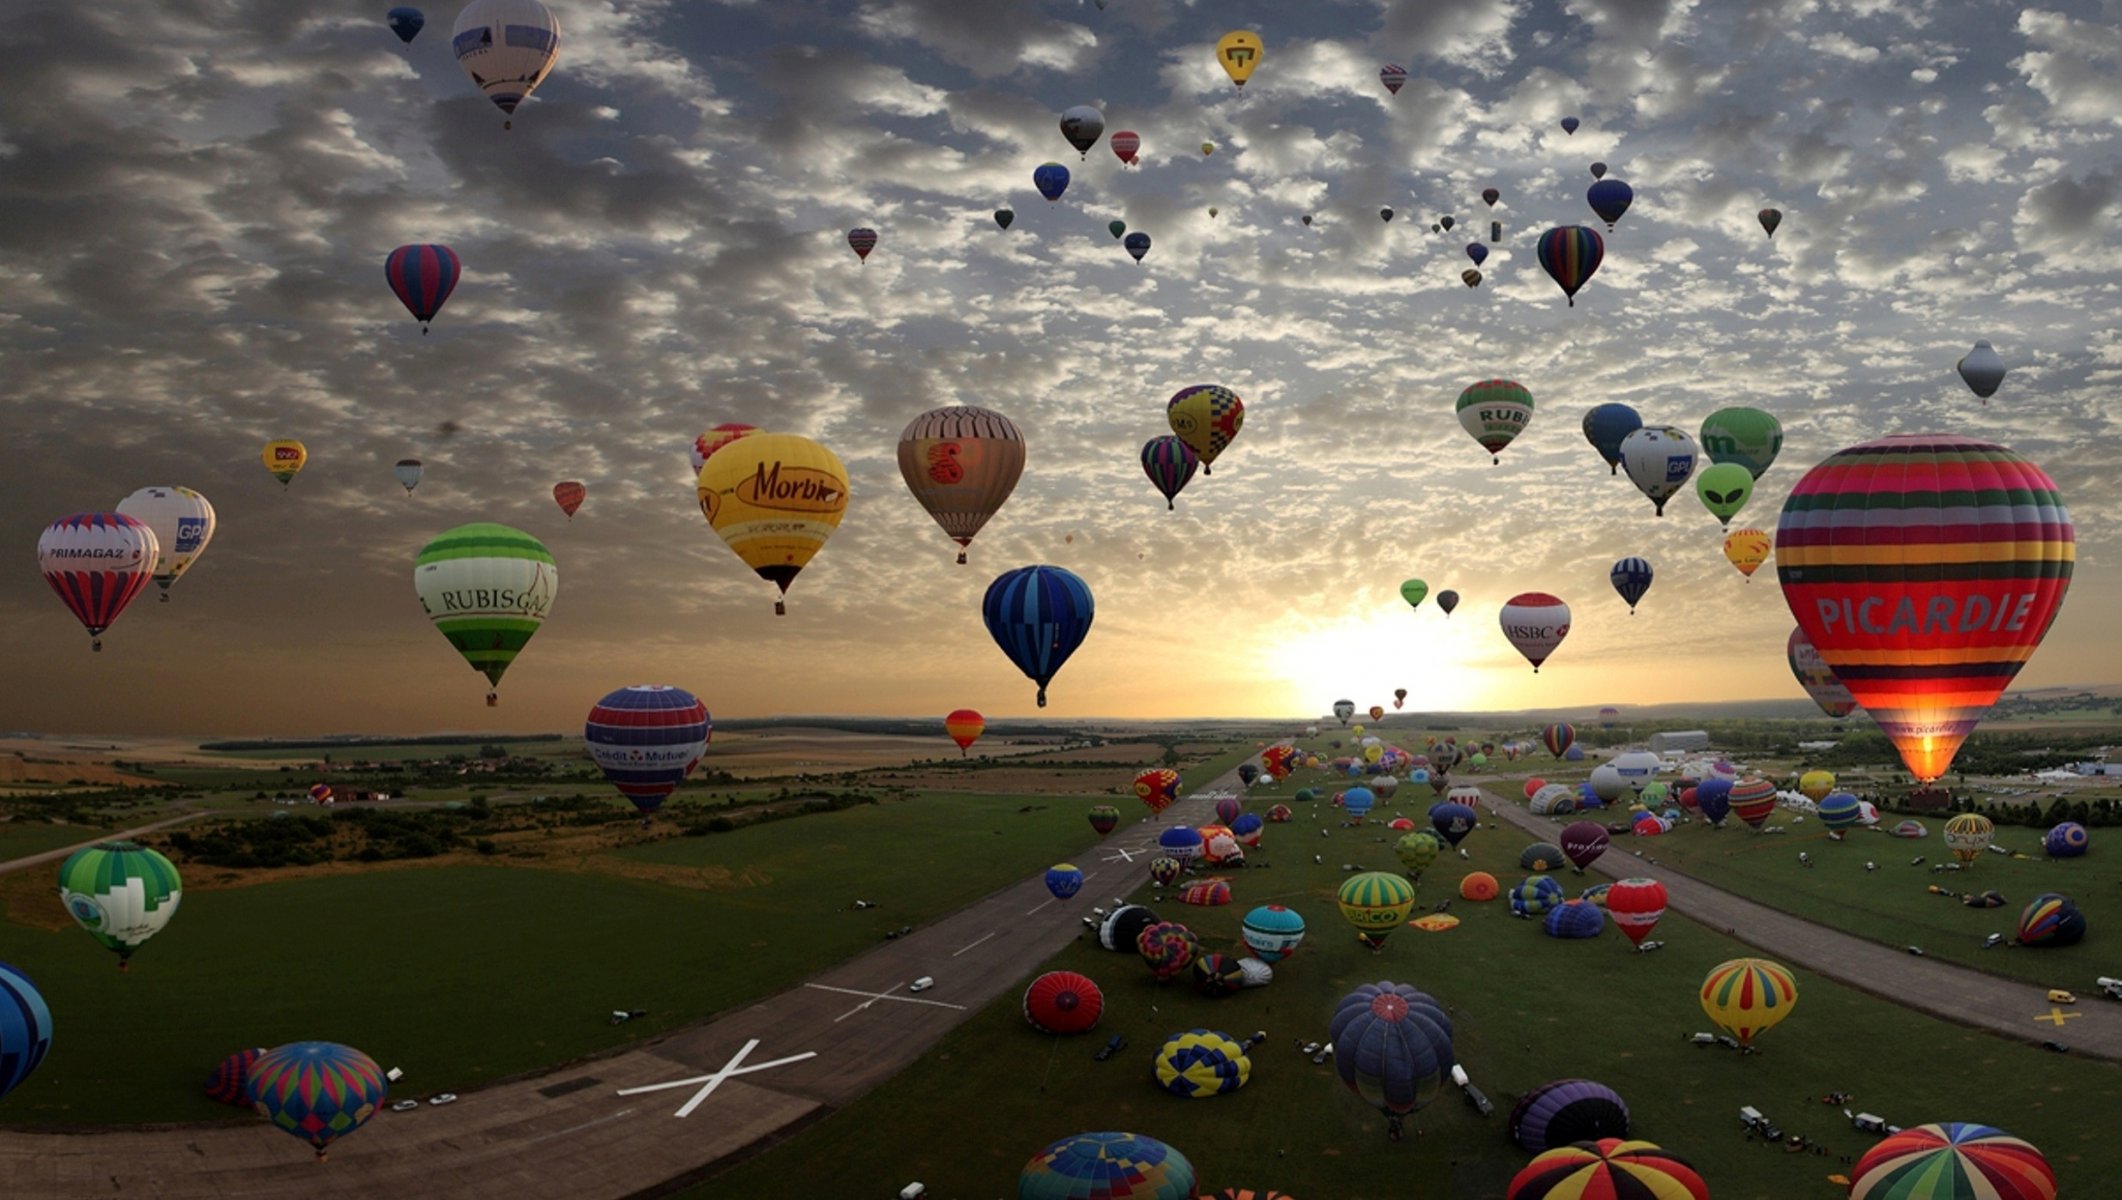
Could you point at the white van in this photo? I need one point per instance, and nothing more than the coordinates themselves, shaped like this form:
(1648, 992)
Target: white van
(922, 984)
(913, 1191)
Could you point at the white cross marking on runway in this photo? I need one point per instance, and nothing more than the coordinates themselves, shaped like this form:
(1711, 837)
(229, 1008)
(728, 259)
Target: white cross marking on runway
(1117, 854)
(709, 1083)
(876, 996)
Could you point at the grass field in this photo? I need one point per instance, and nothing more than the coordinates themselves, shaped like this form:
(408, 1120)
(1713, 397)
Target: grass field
(20, 838)
(1527, 1008)
(463, 975)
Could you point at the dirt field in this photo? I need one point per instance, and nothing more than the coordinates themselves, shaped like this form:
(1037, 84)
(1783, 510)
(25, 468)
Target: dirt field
(46, 766)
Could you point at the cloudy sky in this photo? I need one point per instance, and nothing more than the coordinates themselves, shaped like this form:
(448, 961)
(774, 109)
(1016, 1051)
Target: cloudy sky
(198, 197)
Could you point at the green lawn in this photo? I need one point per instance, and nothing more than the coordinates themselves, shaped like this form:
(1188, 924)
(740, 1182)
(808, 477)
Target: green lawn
(1528, 1009)
(20, 838)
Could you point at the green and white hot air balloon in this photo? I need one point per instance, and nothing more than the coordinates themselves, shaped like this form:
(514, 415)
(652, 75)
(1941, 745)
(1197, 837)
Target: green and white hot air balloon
(488, 588)
(121, 892)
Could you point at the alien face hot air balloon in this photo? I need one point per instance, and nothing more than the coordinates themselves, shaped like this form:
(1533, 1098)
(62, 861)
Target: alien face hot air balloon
(317, 1091)
(182, 522)
(488, 588)
(647, 739)
(1925, 569)
(862, 241)
(96, 563)
(121, 892)
(1724, 489)
(1745, 996)
(1038, 615)
(1747, 549)
(1051, 179)
(1126, 145)
(1631, 577)
(423, 278)
(1240, 51)
(1983, 371)
(775, 498)
(569, 495)
(961, 463)
(1609, 198)
(1571, 256)
(1206, 417)
(1493, 412)
(508, 47)
(1170, 464)
(1535, 623)
(285, 459)
(1659, 461)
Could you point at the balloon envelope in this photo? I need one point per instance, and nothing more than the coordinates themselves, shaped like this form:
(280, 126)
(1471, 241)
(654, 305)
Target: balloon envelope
(508, 47)
(962, 464)
(96, 563)
(1038, 615)
(647, 739)
(1535, 623)
(487, 588)
(775, 498)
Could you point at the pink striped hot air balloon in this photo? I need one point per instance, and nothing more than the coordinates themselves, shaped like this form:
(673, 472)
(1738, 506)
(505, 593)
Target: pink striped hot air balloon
(1925, 569)
(423, 278)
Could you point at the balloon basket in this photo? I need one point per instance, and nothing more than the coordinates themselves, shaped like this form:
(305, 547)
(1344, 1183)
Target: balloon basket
(780, 608)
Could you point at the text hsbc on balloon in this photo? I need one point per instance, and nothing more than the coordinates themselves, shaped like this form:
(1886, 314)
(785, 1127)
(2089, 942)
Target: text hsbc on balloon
(1541, 632)
(1944, 614)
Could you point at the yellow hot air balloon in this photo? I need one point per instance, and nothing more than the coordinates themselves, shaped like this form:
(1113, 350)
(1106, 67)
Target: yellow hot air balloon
(1208, 148)
(1747, 549)
(1240, 52)
(1815, 785)
(1968, 835)
(1748, 995)
(284, 458)
(775, 498)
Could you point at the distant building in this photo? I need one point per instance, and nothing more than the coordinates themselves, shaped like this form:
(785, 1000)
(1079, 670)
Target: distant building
(2097, 768)
(1683, 739)
(1930, 799)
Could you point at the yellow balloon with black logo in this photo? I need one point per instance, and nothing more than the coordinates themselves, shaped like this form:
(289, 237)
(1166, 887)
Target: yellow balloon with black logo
(1240, 51)
(284, 458)
(775, 498)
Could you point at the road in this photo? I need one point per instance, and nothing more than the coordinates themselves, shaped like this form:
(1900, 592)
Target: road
(30, 860)
(1929, 985)
(742, 1080)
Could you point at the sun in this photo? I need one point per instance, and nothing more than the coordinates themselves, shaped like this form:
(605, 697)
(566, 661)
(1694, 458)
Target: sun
(1364, 659)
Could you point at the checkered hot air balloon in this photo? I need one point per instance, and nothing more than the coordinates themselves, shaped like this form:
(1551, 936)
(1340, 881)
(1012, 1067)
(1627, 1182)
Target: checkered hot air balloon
(1206, 417)
(1157, 788)
(1950, 1160)
(1535, 896)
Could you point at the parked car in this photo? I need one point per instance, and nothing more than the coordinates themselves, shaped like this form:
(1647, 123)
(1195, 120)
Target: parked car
(1113, 1045)
(2059, 996)
(405, 1106)
(442, 1099)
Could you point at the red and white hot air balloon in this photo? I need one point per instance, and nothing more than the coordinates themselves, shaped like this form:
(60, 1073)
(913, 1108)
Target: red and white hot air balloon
(1535, 623)
(97, 562)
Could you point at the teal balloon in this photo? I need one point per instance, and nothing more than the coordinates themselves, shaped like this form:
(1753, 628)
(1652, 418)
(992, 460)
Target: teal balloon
(1746, 436)
(1724, 489)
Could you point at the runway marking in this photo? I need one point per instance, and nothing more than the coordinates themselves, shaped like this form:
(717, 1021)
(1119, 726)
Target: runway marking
(969, 945)
(708, 1083)
(586, 1124)
(876, 996)
(1041, 904)
(2058, 1016)
(1121, 854)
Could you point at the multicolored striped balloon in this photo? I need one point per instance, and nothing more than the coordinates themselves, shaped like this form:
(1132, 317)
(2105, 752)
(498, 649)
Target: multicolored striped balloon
(1170, 464)
(1753, 798)
(1104, 818)
(1107, 1166)
(317, 1091)
(423, 277)
(1952, 1159)
(2051, 919)
(1609, 1169)
(647, 739)
(862, 241)
(1817, 678)
(1375, 903)
(964, 727)
(569, 495)
(488, 588)
(1571, 255)
(96, 563)
(229, 1083)
(1747, 996)
(1925, 569)
(25, 1028)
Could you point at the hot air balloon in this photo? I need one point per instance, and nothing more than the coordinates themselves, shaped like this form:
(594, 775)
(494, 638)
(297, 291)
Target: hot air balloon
(1377, 712)
(1137, 244)
(775, 498)
(1968, 835)
(1470, 277)
(1344, 709)
(1606, 427)
(1163, 869)
(704, 446)
(406, 22)
(1453, 820)
(1112, 1166)
(1064, 880)
(862, 241)
(1272, 932)
(1745, 996)
(1393, 1047)
(1839, 811)
(182, 522)
(1598, 170)
(1375, 903)
(1713, 798)
(965, 727)
(1571, 256)
(1635, 904)
(1168, 948)
(1082, 126)
(1535, 623)
(1631, 577)
(1983, 371)
(1005, 217)
(1568, 1111)
(318, 1091)
(1412, 591)
(487, 587)
(1117, 228)
(1202, 1062)
(508, 47)
(1051, 179)
(1393, 77)
(1493, 412)
(569, 495)
(1770, 218)
(1447, 600)
(961, 463)
(1816, 678)
(1746, 436)
(1207, 148)
(1038, 615)
(122, 893)
(1170, 464)
(647, 739)
(1609, 198)
(1307, 219)
(1607, 1167)
(1936, 1162)
(1815, 785)
(1416, 851)
(1206, 417)
(1569, 124)
(423, 276)
(1444, 224)
(2067, 839)
(1724, 488)
(285, 459)
(2052, 919)
(231, 1077)
(1126, 144)
(1583, 842)
(1240, 52)
(408, 472)
(97, 563)
(1385, 214)
(1399, 697)
(1928, 636)
(1104, 818)
(1477, 252)
(1541, 857)
(1558, 738)
(1752, 798)
(1063, 1002)
(1478, 886)
(1535, 895)
(1123, 925)
(320, 793)
(1659, 461)
(1747, 549)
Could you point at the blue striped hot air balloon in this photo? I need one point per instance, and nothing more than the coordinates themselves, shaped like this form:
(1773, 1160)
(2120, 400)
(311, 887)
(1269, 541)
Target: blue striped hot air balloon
(423, 276)
(1038, 615)
(647, 739)
(1631, 577)
(25, 1028)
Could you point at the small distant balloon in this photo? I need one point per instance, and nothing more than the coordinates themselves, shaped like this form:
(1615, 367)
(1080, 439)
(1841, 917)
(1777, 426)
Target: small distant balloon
(1385, 214)
(408, 471)
(1137, 244)
(1126, 144)
(1083, 125)
(1477, 252)
(1393, 77)
(1051, 179)
(1770, 218)
(1470, 277)
(1569, 124)
(1489, 196)
(1609, 198)
(405, 22)
(1983, 369)
(1598, 170)
(1117, 228)
(1004, 216)
(862, 241)
(1571, 255)
(569, 495)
